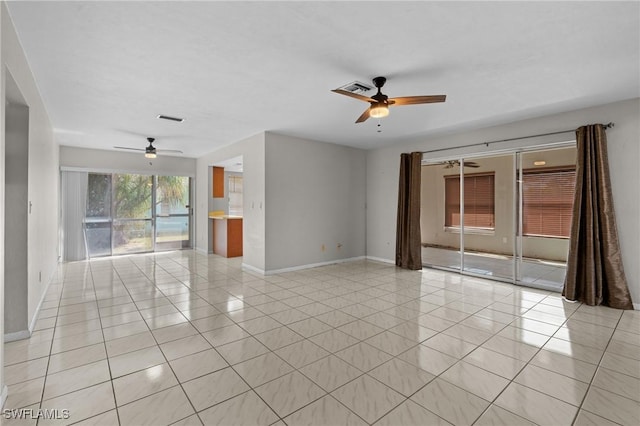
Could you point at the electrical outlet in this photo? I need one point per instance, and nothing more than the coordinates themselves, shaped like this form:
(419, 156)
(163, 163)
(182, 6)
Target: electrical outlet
(504, 240)
(40, 276)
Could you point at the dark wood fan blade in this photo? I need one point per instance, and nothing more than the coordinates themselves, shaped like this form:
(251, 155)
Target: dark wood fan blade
(414, 100)
(131, 149)
(471, 164)
(363, 117)
(353, 95)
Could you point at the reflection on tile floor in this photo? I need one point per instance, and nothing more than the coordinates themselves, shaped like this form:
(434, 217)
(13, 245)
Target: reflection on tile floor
(184, 338)
(536, 272)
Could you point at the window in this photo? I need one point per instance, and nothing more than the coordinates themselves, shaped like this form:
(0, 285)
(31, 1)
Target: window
(548, 202)
(479, 201)
(235, 195)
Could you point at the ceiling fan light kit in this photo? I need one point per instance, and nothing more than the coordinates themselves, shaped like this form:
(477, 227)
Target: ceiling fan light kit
(380, 102)
(150, 151)
(379, 110)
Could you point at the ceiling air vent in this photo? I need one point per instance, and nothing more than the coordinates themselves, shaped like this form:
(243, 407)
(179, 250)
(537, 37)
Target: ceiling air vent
(166, 117)
(356, 87)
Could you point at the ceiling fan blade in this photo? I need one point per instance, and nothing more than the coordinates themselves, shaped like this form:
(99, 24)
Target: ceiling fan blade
(353, 95)
(471, 164)
(414, 100)
(363, 117)
(131, 149)
(169, 150)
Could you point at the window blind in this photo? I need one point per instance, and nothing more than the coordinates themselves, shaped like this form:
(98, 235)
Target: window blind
(548, 202)
(479, 200)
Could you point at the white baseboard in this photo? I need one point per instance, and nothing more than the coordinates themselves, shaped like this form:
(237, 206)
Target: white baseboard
(17, 335)
(636, 306)
(252, 269)
(3, 396)
(312, 265)
(379, 259)
(32, 324)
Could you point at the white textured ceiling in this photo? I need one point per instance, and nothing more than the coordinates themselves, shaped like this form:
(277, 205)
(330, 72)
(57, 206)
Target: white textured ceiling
(233, 69)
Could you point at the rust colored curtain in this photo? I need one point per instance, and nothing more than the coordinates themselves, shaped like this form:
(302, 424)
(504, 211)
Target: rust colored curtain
(595, 275)
(408, 241)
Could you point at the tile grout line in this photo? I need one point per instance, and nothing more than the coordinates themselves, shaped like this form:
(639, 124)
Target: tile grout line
(315, 289)
(44, 385)
(604, 352)
(158, 345)
(104, 342)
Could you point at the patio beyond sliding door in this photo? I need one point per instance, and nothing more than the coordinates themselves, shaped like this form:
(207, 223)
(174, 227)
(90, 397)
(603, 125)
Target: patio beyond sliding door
(488, 220)
(132, 213)
(173, 212)
(505, 216)
(133, 220)
(546, 187)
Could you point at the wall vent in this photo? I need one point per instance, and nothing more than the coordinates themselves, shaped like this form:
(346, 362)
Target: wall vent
(166, 117)
(356, 87)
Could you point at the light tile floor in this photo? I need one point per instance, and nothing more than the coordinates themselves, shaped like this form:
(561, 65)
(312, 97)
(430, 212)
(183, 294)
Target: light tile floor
(184, 338)
(540, 273)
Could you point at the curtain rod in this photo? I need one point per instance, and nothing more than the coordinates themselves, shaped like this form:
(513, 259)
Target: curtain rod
(606, 126)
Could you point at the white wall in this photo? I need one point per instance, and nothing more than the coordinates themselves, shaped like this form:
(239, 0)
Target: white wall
(315, 197)
(16, 171)
(43, 176)
(43, 170)
(109, 161)
(624, 157)
(253, 233)
(3, 387)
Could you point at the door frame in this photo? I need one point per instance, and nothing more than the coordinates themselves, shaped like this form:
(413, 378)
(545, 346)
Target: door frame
(516, 209)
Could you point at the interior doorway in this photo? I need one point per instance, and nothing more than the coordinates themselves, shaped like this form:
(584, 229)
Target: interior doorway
(504, 216)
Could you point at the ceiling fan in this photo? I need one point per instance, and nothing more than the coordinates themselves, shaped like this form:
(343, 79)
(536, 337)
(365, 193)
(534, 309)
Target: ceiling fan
(150, 151)
(380, 102)
(450, 163)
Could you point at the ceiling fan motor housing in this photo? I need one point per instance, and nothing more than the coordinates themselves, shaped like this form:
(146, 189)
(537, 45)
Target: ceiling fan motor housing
(379, 103)
(150, 149)
(379, 82)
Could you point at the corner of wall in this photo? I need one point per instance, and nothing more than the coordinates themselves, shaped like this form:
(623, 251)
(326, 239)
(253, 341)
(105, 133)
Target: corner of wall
(3, 395)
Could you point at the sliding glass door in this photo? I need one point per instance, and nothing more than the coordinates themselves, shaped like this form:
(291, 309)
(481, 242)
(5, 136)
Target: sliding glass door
(132, 221)
(489, 232)
(546, 184)
(504, 216)
(97, 222)
(441, 206)
(172, 212)
(131, 213)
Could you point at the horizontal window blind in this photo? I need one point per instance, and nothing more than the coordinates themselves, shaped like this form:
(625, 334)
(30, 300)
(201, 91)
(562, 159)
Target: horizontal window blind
(548, 202)
(479, 200)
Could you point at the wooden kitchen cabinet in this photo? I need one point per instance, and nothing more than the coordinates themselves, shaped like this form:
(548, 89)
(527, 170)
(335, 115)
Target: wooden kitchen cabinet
(227, 236)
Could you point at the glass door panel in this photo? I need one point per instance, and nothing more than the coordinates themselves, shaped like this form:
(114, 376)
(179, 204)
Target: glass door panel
(133, 221)
(173, 212)
(440, 216)
(98, 215)
(489, 232)
(546, 187)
